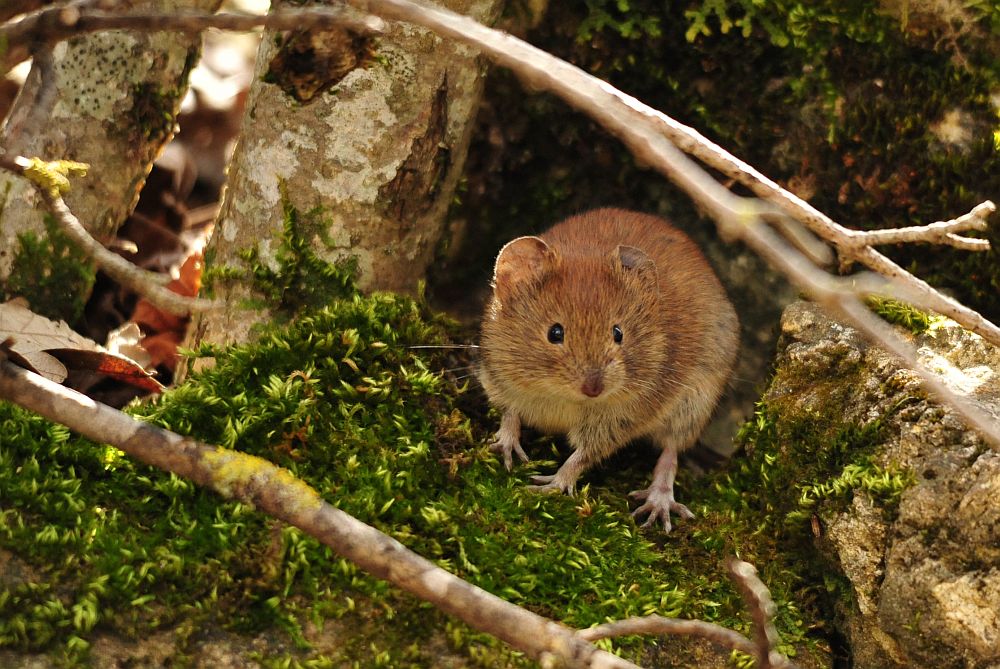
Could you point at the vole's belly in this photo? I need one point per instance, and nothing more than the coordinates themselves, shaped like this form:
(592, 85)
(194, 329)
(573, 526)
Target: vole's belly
(559, 417)
(554, 416)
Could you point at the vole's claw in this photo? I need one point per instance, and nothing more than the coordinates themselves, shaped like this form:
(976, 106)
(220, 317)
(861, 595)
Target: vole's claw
(549, 483)
(658, 504)
(504, 444)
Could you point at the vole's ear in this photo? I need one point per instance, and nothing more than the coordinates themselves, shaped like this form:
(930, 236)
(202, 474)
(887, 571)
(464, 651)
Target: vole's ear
(633, 261)
(522, 261)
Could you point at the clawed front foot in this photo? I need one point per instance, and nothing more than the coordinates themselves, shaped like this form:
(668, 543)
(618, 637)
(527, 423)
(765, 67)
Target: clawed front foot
(508, 440)
(551, 483)
(658, 502)
(505, 444)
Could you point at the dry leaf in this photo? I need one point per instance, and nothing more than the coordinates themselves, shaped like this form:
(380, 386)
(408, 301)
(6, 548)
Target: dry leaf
(52, 348)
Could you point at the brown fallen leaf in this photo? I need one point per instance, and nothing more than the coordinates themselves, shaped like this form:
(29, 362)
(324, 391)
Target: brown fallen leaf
(164, 331)
(52, 349)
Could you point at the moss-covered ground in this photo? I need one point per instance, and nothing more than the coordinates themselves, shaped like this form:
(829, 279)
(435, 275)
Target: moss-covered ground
(340, 398)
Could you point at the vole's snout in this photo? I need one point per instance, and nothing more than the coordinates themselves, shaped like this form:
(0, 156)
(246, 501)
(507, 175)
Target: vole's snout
(593, 383)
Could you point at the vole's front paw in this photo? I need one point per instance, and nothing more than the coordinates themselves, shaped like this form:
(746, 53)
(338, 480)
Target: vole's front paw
(658, 503)
(551, 483)
(505, 443)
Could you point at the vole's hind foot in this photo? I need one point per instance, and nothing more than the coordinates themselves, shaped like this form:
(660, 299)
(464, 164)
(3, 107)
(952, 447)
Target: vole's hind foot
(658, 503)
(505, 444)
(551, 483)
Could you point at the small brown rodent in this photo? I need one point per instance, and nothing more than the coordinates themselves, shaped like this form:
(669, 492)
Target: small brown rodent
(609, 327)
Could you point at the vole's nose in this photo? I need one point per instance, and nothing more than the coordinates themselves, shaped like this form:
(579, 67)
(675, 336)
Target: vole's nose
(593, 384)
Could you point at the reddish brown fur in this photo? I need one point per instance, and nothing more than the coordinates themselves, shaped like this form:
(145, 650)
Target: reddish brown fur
(680, 334)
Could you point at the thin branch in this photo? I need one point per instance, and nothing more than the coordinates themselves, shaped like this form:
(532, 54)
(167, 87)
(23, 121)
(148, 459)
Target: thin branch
(642, 130)
(148, 284)
(924, 295)
(941, 232)
(762, 610)
(755, 596)
(11, 8)
(656, 624)
(59, 23)
(276, 492)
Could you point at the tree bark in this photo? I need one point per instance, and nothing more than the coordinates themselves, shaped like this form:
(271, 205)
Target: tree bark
(109, 99)
(374, 132)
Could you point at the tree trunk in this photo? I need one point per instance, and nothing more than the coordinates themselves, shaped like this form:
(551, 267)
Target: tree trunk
(109, 99)
(373, 132)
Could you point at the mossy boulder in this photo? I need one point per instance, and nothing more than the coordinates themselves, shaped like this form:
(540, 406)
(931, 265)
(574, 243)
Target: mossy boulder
(911, 527)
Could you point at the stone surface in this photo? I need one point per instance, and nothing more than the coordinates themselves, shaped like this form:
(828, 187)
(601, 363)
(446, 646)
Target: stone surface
(925, 578)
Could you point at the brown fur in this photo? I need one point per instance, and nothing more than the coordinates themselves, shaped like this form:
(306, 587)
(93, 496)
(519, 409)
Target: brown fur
(589, 273)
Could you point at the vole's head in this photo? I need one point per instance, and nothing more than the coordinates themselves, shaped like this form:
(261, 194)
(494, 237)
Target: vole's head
(579, 327)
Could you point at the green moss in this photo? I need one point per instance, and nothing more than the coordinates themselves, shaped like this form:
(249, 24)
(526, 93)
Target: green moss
(901, 313)
(341, 400)
(51, 273)
(298, 279)
(153, 112)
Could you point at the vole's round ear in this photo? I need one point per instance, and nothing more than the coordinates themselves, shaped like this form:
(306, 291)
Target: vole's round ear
(522, 261)
(630, 260)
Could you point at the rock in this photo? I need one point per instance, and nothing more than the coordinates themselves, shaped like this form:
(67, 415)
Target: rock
(924, 576)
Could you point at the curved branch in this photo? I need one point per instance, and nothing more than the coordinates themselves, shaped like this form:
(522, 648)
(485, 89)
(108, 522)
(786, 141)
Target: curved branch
(644, 131)
(148, 284)
(941, 232)
(757, 599)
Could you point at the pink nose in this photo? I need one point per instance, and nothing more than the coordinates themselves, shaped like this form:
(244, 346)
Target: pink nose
(593, 384)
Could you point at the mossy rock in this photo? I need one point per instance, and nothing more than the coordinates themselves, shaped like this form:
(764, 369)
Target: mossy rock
(903, 519)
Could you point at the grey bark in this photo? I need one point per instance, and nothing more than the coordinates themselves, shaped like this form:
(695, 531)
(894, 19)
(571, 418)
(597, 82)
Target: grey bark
(109, 99)
(374, 133)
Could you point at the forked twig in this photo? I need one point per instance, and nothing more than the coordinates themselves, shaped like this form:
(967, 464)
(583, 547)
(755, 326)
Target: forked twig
(148, 284)
(941, 232)
(758, 600)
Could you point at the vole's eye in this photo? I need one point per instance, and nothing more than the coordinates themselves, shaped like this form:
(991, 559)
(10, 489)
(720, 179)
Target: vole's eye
(556, 333)
(617, 333)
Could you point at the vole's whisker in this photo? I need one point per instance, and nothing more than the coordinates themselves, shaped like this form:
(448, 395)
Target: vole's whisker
(444, 346)
(459, 369)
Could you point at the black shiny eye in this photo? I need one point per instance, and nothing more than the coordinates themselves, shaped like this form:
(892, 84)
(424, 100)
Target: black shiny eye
(556, 333)
(617, 333)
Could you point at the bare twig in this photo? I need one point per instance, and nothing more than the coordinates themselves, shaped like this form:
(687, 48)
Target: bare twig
(148, 284)
(659, 625)
(278, 493)
(11, 8)
(762, 610)
(941, 232)
(643, 130)
(59, 23)
(758, 601)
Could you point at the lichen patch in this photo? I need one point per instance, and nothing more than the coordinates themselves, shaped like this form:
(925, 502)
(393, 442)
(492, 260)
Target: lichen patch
(90, 72)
